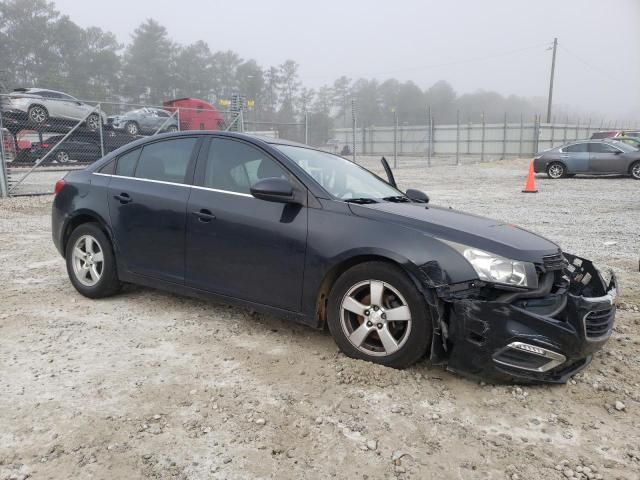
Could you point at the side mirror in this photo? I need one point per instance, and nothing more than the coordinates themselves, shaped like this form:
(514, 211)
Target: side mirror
(78, 102)
(274, 190)
(617, 152)
(417, 196)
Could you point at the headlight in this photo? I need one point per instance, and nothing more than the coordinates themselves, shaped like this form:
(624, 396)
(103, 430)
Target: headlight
(494, 268)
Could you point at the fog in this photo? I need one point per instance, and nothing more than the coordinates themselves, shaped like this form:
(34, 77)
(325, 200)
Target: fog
(498, 45)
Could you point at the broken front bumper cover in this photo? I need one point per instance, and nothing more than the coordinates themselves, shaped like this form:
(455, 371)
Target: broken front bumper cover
(545, 339)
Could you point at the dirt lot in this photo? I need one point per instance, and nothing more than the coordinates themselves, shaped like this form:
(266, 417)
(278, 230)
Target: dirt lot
(150, 385)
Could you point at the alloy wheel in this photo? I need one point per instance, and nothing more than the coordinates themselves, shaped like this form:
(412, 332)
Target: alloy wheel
(93, 122)
(37, 114)
(556, 171)
(375, 318)
(132, 128)
(87, 260)
(635, 171)
(62, 156)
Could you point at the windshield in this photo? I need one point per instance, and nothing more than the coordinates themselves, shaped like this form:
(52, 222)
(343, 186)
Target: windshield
(339, 177)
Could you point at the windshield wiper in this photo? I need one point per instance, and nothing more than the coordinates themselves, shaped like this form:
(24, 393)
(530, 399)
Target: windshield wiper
(397, 199)
(361, 200)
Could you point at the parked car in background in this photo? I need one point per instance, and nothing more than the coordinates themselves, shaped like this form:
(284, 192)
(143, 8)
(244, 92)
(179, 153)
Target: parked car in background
(592, 157)
(81, 147)
(615, 134)
(632, 141)
(49, 109)
(195, 114)
(8, 146)
(144, 120)
(283, 228)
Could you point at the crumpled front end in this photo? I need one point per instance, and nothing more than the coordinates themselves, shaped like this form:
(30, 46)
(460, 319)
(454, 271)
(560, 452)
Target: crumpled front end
(545, 335)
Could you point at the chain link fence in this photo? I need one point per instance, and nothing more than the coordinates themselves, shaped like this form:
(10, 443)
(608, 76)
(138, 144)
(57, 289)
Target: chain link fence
(44, 137)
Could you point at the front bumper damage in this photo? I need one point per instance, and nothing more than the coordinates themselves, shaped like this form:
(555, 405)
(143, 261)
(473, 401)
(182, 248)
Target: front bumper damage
(543, 336)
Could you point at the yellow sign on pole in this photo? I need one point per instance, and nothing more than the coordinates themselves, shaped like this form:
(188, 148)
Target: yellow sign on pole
(224, 102)
(251, 103)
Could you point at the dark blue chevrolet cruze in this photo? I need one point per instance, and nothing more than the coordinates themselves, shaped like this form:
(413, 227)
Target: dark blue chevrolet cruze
(283, 228)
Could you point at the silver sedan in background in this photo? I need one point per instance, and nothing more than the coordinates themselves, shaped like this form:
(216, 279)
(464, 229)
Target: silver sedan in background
(590, 157)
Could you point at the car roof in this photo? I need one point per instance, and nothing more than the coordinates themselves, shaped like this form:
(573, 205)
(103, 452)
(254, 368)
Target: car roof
(34, 89)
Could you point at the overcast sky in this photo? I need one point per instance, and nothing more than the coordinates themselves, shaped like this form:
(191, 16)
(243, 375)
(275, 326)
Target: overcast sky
(496, 45)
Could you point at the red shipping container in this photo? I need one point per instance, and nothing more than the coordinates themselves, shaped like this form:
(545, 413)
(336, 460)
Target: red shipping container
(195, 114)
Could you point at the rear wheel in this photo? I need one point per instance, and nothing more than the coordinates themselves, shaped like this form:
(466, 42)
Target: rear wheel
(377, 314)
(556, 170)
(635, 170)
(62, 157)
(91, 264)
(132, 128)
(172, 129)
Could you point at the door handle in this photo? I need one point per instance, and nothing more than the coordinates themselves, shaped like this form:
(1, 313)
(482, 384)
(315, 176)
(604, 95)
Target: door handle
(123, 198)
(204, 215)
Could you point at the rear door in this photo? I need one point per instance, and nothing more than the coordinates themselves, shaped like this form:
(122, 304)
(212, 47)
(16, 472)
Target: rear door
(147, 204)
(606, 158)
(575, 157)
(237, 245)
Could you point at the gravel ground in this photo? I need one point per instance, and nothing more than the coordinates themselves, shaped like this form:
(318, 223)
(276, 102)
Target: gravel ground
(151, 385)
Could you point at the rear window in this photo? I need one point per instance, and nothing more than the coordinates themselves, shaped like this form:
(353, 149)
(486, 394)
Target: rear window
(127, 163)
(575, 148)
(166, 161)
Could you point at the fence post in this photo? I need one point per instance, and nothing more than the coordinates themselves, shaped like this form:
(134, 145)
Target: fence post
(566, 124)
(178, 118)
(306, 128)
(482, 140)
(4, 189)
(457, 137)
(520, 140)
(577, 128)
(504, 137)
(469, 129)
(429, 135)
(589, 128)
(100, 126)
(364, 140)
(395, 138)
(536, 133)
(353, 136)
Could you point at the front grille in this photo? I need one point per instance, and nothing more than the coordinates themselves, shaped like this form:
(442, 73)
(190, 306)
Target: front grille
(554, 262)
(598, 323)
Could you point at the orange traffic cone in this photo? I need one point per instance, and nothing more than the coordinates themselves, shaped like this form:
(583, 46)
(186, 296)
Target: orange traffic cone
(530, 186)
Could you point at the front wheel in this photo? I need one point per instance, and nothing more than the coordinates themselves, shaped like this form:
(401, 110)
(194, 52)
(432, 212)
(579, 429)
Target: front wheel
(38, 114)
(635, 170)
(93, 121)
(556, 170)
(62, 156)
(172, 129)
(91, 264)
(375, 313)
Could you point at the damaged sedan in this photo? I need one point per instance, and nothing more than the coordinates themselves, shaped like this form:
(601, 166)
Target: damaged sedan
(285, 229)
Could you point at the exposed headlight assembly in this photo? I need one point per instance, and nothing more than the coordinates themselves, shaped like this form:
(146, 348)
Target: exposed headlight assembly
(496, 269)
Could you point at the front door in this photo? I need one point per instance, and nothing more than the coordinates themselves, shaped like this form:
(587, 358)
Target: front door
(147, 203)
(605, 158)
(237, 245)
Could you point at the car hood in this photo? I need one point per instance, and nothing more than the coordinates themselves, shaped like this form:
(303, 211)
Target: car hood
(493, 236)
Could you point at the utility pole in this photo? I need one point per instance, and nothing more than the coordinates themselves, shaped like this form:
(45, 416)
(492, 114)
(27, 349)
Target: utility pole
(553, 71)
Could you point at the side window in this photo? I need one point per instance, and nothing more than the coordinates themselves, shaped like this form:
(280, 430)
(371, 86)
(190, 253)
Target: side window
(166, 161)
(108, 168)
(234, 166)
(575, 148)
(601, 148)
(127, 163)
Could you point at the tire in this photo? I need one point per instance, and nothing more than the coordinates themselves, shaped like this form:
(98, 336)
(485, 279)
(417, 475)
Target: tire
(62, 156)
(556, 170)
(353, 289)
(37, 114)
(634, 170)
(93, 121)
(101, 281)
(132, 128)
(172, 129)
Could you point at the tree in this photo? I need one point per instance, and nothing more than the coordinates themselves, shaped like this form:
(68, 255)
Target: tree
(194, 71)
(341, 94)
(225, 66)
(149, 64)
(441, 97)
